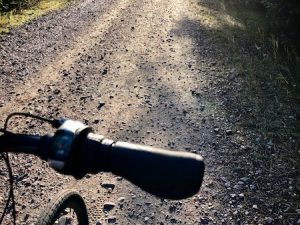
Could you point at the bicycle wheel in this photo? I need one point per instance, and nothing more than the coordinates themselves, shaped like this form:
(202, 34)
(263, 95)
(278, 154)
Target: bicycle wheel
(67, 208)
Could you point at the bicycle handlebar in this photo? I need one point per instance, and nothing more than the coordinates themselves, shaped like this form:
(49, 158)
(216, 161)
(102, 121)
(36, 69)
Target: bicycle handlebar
(164, 173)
(76, 151)
(20, 143)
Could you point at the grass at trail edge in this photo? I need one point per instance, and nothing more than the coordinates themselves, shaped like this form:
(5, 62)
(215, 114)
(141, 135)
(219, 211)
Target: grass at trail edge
(9, 20)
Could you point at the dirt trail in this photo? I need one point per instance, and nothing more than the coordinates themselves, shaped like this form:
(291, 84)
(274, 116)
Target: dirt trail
(134, 72)
(51, 71)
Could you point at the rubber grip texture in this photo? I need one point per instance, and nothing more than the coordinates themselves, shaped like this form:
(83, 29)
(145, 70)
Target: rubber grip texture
(166, 174)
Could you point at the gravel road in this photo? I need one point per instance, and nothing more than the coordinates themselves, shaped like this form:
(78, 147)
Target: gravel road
(135, 71)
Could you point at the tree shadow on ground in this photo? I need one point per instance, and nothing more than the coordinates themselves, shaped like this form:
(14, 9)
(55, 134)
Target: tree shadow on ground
(252, 93)
(246, 121)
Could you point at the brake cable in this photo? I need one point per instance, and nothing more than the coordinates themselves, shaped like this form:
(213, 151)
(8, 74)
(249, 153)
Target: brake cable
(11, 190)
(5, 156)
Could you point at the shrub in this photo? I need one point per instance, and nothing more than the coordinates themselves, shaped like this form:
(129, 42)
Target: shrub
(285, 15)
(8, 5)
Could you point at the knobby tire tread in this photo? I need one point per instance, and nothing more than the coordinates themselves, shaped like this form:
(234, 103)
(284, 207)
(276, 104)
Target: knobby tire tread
(63, 200)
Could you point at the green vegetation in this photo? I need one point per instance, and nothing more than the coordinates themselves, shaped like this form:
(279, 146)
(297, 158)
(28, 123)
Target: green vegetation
(257, 44)
(284, 16)
(266, 30)
(274, 25)
(24, 11)
(8, 5)
(266, 61)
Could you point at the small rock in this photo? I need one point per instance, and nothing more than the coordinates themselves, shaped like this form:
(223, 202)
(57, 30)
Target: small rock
(201, 199)
(252, 187)
(101, 104)
(121, 199)
(245, 179)
(216, 130)
(65, 73)
(173, 220)
(255, 207)
(56, 92)
(107, 185)
(107, 206)
(172, 208)
(241, 195)
(238, 187)
(112, 219)
(104, 71)
(229, 132)
(27, 182)
(223, 179)
(269, 220)
(243, 147)
(227, 184)
(133, 196)
(26, 216)
(204, 220)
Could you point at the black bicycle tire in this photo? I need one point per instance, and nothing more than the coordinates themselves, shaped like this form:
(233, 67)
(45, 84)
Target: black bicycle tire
(66, 199)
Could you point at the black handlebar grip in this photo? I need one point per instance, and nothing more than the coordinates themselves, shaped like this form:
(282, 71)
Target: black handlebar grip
(20, 143)
(167, 174)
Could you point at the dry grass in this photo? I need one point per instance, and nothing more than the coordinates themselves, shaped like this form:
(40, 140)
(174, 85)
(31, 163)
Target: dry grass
(269, 94)
(16, 18)
(252, 50)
